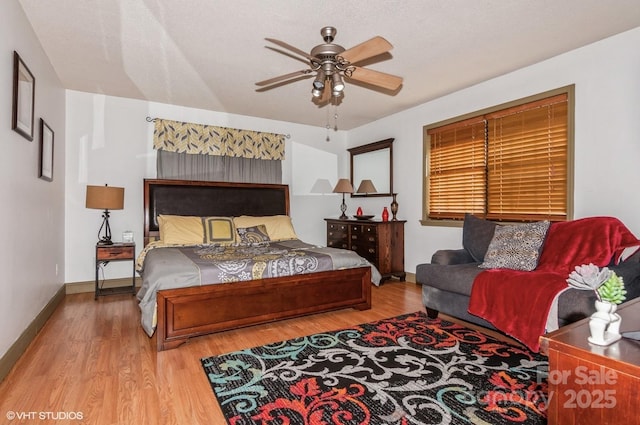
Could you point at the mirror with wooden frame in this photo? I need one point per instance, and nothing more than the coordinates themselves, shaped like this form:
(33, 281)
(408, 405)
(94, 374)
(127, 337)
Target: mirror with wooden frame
(374, 162)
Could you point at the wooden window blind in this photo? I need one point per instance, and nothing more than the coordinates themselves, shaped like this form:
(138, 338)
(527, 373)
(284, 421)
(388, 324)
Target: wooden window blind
(509, 164)
(527, 162)
(457, 168)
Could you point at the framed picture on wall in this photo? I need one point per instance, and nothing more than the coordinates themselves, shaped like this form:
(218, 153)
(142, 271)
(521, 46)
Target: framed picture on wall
(46, 152)
(24, 94)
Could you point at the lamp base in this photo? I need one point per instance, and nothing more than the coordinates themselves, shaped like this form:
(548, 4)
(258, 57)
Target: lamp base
(343, 208)
(106, 239)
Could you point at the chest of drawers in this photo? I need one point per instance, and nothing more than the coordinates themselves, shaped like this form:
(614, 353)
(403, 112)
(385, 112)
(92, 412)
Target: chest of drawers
(380, 242)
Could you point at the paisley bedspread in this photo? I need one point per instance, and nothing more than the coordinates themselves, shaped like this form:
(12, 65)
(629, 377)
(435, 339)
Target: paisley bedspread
(183, 266)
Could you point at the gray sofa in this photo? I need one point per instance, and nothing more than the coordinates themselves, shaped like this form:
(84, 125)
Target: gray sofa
(448, 279)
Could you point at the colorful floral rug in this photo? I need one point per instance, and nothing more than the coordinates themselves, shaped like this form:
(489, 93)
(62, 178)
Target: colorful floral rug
(404, 370)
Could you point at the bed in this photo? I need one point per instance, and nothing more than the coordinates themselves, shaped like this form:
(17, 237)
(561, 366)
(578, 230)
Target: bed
(186, 312)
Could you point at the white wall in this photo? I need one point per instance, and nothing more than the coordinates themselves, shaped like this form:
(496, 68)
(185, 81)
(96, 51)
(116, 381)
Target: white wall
(607, 146)
(110, 141)
(32, 210)
(106, 139)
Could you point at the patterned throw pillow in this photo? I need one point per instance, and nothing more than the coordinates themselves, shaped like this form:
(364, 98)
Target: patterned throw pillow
(253, 234)
(279, 227)
(516, 247)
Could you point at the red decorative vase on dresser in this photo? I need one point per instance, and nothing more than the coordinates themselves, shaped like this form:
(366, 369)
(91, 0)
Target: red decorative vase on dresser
(385, 214)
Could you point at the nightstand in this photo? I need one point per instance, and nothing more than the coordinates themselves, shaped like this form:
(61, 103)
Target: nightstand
(115, 252)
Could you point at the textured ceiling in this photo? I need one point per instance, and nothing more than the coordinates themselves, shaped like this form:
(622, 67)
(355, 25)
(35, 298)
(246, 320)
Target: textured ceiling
(208, 53)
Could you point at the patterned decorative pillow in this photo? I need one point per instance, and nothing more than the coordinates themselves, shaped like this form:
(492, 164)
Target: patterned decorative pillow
(516, 247)
(279, 227)
(253, 234)
(219, 230)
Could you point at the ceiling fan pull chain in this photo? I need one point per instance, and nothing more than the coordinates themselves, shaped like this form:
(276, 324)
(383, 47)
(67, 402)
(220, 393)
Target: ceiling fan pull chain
(328, 127)
(335, 117)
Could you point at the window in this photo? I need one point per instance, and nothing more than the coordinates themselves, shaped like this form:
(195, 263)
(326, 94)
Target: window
(507, 163)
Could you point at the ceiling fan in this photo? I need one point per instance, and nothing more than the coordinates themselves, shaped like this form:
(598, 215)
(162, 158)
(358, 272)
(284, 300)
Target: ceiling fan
(331, 62)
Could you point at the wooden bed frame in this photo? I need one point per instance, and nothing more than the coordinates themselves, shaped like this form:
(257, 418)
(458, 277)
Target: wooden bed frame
(200, 310)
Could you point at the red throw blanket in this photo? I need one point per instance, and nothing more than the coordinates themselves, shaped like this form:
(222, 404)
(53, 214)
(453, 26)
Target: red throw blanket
(518, 302)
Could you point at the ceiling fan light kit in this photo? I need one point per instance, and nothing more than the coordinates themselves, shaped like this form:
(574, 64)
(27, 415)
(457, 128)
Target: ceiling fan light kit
(331, 63)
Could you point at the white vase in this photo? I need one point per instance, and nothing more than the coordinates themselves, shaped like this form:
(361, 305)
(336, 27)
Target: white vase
(604, 324)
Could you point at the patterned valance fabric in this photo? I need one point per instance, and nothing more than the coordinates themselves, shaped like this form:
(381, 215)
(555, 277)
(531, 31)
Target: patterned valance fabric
(184, 137)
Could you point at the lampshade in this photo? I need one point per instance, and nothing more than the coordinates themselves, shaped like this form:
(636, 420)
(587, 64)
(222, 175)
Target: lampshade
(321, 186)
(343, 186)
(105, 197)
(366, 186)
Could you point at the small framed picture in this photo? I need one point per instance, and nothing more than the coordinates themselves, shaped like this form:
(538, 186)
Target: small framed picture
(127, 236)
(24, 94)
(46, 152)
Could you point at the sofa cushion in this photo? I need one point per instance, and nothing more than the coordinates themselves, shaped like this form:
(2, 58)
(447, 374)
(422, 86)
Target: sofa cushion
(452, 256)
(516, 247)
(476, 236)
(452, 278)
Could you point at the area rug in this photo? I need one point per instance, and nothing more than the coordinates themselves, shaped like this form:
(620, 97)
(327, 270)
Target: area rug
(403, 370)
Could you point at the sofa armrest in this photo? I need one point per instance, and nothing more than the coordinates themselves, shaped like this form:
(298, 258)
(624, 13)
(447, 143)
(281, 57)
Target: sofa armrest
(452, 256)
(635, 258)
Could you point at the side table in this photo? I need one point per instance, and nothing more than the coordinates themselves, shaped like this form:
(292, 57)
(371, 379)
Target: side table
(592, 384)
(115, 252)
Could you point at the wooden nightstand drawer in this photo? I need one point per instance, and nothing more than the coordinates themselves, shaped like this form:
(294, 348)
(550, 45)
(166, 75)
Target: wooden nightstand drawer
(115, 252)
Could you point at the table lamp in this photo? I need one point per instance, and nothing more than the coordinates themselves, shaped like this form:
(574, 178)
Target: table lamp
(366, 187)
(321, 186)
(105, 198)
(343, 186)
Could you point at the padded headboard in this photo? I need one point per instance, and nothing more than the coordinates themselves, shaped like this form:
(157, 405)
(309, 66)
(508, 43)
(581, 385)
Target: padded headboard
(199, 198)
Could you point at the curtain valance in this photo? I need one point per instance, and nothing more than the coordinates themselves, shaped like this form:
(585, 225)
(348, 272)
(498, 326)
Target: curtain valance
(184, 137)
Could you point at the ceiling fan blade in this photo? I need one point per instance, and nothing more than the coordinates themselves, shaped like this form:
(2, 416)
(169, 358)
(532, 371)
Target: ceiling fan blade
(289, 54)
(370, 48)
(376, 78)
(283, 77)
(293, 49)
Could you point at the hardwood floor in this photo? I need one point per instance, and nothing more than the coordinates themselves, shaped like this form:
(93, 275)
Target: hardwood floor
(92, 361)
